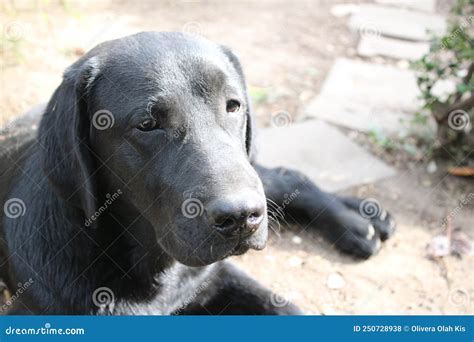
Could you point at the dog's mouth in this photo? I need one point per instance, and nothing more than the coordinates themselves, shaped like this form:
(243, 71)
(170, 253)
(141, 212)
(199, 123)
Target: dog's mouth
(244, 245)
(247, 243)
(240, 249)
(210, 246)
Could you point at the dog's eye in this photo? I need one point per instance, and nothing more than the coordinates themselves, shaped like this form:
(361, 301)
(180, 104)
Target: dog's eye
(148, 125)
(232, 106)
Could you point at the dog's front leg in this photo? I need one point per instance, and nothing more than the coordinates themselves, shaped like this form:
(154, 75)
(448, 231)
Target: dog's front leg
(229, 291)
(342, 220)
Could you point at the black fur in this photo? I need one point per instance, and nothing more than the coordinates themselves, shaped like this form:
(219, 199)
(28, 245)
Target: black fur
(141, 250)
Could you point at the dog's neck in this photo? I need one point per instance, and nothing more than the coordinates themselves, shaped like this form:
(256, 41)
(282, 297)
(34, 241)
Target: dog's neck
(131, 243)
(167, 286)
(119, 252)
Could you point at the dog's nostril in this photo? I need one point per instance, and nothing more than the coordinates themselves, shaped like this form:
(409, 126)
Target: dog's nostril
(252, 223)
(236, 216)
(227, 226)
(255, 218)
(226, 223)
(245, 225)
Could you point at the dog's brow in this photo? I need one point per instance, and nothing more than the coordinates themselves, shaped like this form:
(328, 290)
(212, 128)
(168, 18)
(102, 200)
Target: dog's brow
(207, 79)
(159, 101)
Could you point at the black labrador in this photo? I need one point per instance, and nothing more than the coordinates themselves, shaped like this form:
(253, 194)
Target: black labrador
(142, 180)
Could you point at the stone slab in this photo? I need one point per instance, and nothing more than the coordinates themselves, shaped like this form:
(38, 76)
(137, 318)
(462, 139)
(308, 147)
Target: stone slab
(322, 152)
(365, 96)
(396, 23)
(370, 46)
(417, 5)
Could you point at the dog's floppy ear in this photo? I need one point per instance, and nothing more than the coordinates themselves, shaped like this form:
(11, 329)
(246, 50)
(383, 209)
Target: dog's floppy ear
(250, 132)
(64, 137)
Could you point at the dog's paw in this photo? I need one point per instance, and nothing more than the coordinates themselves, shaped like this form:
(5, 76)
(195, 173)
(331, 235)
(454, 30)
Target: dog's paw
(364, 225)
(356, 235)
(371, 209)
(384, 224)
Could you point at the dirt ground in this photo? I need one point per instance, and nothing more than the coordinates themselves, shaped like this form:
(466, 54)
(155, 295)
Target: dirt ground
(286, 49)
(400, 279)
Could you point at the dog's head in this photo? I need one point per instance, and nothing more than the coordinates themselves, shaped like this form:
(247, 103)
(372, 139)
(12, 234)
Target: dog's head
(165, 118)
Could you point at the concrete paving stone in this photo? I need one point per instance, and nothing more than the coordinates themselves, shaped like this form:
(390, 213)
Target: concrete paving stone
(345, 9)
(396, 23)
(322, 152)
(418, 5)
(370, 46)
(365, 96)
(342, 10)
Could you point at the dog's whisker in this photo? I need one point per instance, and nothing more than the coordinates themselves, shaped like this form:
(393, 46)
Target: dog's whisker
(275, 231)
(275, 214)
(274, 225)
(275, 209)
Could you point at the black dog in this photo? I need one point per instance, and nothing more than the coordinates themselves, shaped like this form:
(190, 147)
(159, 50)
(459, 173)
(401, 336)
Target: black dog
(142, 180)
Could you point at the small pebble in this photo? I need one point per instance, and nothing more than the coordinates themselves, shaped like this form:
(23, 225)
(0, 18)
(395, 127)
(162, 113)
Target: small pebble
(328, 309)
(335, 281)
(342, 10)
(296, 240)
(295, 261)
(403, 64)
(431, 168)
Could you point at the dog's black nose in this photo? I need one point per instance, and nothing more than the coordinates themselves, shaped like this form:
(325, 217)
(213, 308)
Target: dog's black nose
(236, 215)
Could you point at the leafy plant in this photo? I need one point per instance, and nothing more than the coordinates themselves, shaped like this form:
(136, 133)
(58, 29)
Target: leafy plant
(258, 95)
(450, 65)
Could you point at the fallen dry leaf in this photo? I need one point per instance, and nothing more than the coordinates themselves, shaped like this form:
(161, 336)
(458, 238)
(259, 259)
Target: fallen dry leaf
(454, 241)
(460, 243)
(439, 246)
(335, 281)
(466, 171)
